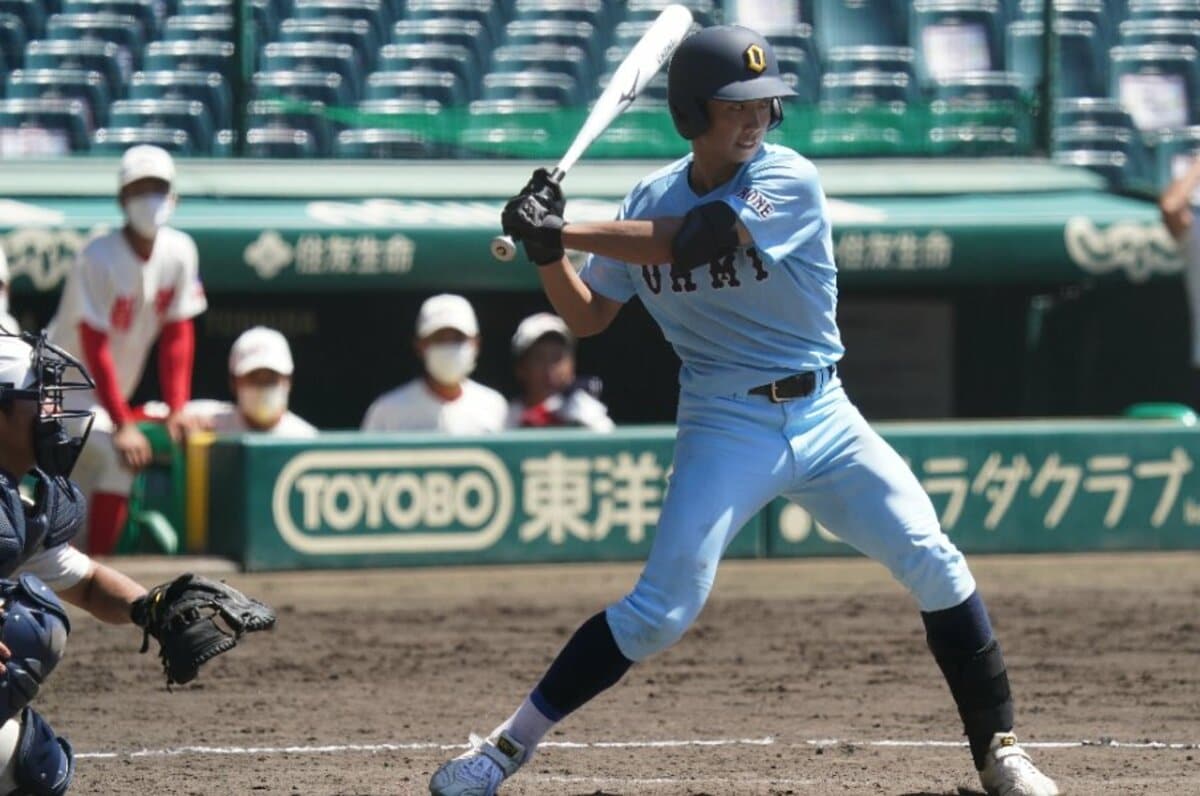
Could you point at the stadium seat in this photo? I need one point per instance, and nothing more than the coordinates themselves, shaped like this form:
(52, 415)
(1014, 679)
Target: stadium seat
(1082, 67)
(204, 8)
(1165, 9)
(1157, 83)
(150, 13)
(460, 32)
(594, 12)
(318, 57)
(188, 115)
(532, 85)
(295, 116)
(209, 88)
(279, 142)
(1173, 152)
(845, 23)
(992, 87)
(120, 29)
(62, 84)
(1097, 111)
(562, 33)
(437, 57)
(868, 88)
(705, 12)
(444, 88)
(953, 36)
(871, 58)
(417, 117)
(65, 123)
(859, 128)
(356, 33)
(1135, 170)
(115, 140)
(32, 15)
(1184, 32)
(328, 87)
(801, 70)
(488, 14)
(210, 27)
(376, 13)
(192, 56)
(570, 61)
(644, 130)
(1093, 11)
(514, 128)
(12, 41)
(973, 140)
(104, 57)
(384, 143)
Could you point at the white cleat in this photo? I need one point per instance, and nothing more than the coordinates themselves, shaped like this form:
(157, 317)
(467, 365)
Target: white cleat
(481, 769)
(1010, 772)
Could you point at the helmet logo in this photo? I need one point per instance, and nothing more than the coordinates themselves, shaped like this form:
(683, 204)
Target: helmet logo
(756, 59)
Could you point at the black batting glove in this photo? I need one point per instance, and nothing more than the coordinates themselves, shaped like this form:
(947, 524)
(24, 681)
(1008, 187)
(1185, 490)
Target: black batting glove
(530, 219)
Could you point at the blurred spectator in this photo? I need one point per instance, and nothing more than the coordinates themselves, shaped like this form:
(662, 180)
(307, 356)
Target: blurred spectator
(128, 288)
(1178, 205)
(443, 398)
(551, 394)
(260, 378)
(7, 321)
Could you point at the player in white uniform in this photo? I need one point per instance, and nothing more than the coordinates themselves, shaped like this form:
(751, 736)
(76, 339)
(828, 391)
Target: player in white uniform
(130, 287)
(260, 377)
(730, 251)
(1178, 206)
(444, 398)
(7, 322)
(551, 394)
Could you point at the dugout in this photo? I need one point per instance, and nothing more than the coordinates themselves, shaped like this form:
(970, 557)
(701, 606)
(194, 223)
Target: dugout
(969, 288)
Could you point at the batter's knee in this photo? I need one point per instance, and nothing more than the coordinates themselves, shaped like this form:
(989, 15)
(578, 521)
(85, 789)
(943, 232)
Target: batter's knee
(648, 620)
(34, 761)
(936, 573)
(34, 627)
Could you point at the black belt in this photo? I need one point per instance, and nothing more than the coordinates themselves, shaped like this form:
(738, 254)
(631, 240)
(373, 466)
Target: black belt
(799, 385)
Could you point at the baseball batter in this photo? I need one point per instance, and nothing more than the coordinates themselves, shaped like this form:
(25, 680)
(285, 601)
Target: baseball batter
(1178, 206)
(40, 440)
(730, 251)
(129, 288)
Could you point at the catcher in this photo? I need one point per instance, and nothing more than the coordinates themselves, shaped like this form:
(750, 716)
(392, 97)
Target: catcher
(192, 618)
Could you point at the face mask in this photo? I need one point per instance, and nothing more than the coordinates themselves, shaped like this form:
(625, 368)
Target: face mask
(263, 405)
(54, 450)
(148, 212)
(450, 363)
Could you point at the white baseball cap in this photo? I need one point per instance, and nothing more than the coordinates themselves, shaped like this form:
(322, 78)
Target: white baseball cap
(144, 160)
(446, 311)
(260, 347)
(537, 326)
(16, 362)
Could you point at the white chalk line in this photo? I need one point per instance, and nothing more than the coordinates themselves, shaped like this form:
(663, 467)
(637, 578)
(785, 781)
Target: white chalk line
(417, 746)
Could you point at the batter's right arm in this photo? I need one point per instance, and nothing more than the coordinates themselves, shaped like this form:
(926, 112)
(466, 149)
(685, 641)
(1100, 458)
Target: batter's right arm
(585, 311)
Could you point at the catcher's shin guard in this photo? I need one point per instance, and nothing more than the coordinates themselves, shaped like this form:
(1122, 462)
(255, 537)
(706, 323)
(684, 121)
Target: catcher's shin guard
(36, 762)
(34, 627)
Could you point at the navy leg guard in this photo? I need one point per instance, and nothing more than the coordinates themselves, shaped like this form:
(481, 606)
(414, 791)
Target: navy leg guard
(45, 762)
(589, 664)
(34, 627)
(970, 659)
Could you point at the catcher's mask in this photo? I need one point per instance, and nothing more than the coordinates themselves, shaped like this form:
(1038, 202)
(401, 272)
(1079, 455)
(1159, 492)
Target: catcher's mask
(34, 369)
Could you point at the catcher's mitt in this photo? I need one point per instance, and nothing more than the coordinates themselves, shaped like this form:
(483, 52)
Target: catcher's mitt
(183, 617)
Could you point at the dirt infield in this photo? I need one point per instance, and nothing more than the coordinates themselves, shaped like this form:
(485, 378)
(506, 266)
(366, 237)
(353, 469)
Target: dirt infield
(369, 674)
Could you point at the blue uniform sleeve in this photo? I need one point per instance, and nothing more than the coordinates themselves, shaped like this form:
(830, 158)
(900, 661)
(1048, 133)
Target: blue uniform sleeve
(781, 203)
(608, 277)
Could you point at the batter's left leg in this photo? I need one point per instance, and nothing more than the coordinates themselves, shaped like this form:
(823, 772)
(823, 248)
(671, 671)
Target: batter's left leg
(863, 492)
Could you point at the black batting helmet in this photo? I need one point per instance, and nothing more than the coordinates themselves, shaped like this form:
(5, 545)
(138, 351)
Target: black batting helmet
(725, 62)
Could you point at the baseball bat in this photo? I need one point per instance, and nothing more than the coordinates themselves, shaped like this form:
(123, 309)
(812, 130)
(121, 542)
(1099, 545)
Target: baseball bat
(642, 63)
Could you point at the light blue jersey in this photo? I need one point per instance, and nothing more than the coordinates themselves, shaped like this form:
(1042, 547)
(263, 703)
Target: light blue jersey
(762, 314)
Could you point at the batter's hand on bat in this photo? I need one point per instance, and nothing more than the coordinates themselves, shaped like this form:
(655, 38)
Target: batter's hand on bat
(534, 217)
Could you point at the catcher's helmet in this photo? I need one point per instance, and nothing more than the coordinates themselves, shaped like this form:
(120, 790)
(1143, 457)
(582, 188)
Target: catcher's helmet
(725, 62)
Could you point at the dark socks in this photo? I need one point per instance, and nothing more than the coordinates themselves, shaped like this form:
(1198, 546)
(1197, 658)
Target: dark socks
(587, 665)
(967, 653)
